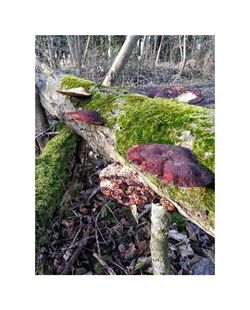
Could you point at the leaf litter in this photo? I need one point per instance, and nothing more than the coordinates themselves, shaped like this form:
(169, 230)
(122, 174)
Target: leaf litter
(95, 235)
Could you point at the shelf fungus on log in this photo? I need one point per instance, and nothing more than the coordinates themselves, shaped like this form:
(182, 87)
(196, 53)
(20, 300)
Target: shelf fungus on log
(86, 116)
(75, 92)
(184, 94)
(123, 184)
(171, 164)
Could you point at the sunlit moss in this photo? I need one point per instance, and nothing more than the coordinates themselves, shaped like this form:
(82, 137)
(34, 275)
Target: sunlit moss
(137, 119)
(52, 171)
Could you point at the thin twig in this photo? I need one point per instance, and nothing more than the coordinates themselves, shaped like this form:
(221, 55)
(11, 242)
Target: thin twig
(104, 264)
(78, 231)
(146, 211)
(73, 258)
(114, 263)
(95, 191)
(96, 234)
(43, 132)
(51, 133)
(112, 213)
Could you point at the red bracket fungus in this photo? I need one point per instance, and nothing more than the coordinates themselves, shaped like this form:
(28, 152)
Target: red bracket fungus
(172, 164)
(185, 94)
(86, 116)
(123, 184)
(74, 92)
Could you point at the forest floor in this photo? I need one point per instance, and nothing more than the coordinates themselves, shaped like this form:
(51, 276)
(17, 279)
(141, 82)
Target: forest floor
(95, 235)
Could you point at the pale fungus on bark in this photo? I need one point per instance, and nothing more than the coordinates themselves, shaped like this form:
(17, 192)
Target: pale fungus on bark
(74, 92)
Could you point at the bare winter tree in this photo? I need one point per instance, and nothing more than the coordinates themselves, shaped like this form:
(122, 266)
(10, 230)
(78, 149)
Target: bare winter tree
(75, 51)
(86, 50)
(121, 60)
(183, 56)
(159, 50)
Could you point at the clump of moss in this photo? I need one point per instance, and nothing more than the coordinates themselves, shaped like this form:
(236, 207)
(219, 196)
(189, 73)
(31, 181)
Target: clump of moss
(201, 199)
(144, 120)
(52, 170)
(141, 120)
(71, 81)
(179, 219)
(105, 104)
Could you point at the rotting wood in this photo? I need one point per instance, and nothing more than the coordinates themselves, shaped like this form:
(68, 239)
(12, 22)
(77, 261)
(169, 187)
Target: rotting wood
(101, 138)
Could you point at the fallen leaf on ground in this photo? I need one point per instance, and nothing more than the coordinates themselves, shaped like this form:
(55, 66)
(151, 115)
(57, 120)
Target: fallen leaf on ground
(186, 250)
(177, 236)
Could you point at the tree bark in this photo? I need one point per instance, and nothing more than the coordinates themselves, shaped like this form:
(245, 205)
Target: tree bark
(75, 51)
(102, 139)
(41, 121)
(121, 60)
(159, 50)
(52, 58)
(86, 51)
(159, 239)
(183, 58)
(109, 46)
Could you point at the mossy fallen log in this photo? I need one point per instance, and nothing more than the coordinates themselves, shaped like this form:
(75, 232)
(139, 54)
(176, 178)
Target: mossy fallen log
(136, 119)
(52, 174)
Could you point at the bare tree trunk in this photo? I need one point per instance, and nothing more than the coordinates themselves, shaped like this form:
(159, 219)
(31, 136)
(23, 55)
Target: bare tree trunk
(180, 46)
(142, 46)
(52, 59)
(155, 45)
(193, 46)
(121, 60)
(159, 239)
(78, 52)
(152, 58)
(147, 48)
(109, 46)
(183, 60)
(71, 50)
(75, 51)
(159, 50)
(171, 49)
(86, 50)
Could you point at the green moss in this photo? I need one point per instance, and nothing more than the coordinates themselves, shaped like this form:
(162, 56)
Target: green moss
(70, 81)
(144, 120)
(201, 199)
(179, 219)
(105, 104)
(52, 169)
(138, 119)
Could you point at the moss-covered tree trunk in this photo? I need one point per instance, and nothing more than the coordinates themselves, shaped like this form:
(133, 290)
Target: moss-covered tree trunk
(52, 174)
(136, 119)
